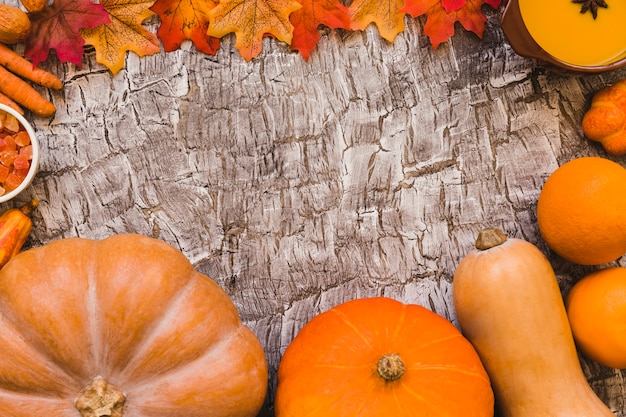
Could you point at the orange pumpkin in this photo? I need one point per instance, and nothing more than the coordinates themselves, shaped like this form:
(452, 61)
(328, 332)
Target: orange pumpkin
(605, 120)
(379, 357)
(123, 326)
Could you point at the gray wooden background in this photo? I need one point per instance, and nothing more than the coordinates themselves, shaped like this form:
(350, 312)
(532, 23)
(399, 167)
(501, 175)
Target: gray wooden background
(298, 185)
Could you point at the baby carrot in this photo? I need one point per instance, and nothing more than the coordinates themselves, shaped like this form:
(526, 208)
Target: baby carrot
(19, 65)
(8, 102)
(19, 91)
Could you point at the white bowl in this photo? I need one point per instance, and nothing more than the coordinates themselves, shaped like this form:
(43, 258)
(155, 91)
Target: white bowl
(34, 164)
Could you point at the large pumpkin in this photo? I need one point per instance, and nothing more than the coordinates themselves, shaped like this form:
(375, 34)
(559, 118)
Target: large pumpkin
(377, 357)
(123, 326)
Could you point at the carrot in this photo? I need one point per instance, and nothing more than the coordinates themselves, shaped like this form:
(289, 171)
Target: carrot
(19, 65)
(22, 93)
(12, 104)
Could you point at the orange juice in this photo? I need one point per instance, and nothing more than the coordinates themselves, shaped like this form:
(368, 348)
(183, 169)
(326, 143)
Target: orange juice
(577, 38)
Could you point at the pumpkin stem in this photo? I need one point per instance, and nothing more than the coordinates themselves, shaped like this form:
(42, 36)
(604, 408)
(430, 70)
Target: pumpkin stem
(489, 238)
(390, 367)
(30, 206)
(100, 399)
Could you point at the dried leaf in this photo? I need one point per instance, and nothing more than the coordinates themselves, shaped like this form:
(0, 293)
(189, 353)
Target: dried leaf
(306, 22)
(386, 15)
(440, 21)
(250, 21)
(471, 17)
(58, 27)
(185, 19)
(452, 5)
(124, 33)
(115, 27)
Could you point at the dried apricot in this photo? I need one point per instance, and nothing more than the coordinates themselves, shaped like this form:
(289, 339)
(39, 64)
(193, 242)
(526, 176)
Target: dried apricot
(21, 162)
(22, 138)
(16, 152)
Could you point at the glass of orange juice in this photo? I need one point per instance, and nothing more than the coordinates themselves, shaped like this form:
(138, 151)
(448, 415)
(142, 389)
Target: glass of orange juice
(557, 31)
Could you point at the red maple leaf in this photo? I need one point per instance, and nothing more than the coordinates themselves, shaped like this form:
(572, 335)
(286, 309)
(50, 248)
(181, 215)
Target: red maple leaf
(185, 19)
(306, 22)
(57, 27)
(452, 5)
(443, 14)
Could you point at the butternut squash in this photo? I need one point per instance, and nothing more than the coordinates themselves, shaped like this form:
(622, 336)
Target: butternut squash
(509, 305)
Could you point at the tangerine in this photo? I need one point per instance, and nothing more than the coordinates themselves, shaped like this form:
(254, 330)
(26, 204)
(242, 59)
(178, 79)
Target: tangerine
(596, 308)
(581, 211)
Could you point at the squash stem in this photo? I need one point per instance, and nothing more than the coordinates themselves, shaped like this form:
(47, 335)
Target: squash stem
(100, 399)
(390, 367)
(490, 238)
(30, 206)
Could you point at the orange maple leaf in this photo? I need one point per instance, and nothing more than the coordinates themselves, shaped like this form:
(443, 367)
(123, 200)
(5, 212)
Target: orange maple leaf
(442, 16)
(330, 13)
(124, 33)
(185, 19)
(386, 15)
(251, 20)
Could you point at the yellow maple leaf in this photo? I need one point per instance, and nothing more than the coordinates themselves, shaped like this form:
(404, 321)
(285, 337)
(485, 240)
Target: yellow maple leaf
(386, 15)
(251, 20)
(124, 33)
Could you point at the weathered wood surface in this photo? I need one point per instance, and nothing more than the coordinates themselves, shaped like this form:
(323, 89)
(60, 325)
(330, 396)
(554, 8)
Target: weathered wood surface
(296, 185)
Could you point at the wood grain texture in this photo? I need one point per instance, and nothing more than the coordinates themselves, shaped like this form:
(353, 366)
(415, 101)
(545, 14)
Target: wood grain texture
(297, 185)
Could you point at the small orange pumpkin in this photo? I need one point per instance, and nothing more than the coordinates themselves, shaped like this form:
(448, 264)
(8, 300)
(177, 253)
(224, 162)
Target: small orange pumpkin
(379, 357)
(605, 121)
(123, 326)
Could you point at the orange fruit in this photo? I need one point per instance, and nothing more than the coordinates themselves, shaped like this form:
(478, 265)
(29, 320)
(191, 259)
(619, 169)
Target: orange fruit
(581, 211)
(596, 308)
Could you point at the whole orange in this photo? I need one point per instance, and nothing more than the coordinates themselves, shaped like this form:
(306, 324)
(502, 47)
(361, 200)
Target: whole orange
(596, 308)
(581, 211)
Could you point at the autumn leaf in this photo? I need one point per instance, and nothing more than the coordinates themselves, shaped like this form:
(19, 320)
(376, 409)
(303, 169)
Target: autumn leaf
(58, 27)
(471, 17)
(306, 22)
(443, 14)
(250, 21)
(493, 3)
(452, 5)
(124, 33)
(439, 25)
(386, 15)
(185, 19)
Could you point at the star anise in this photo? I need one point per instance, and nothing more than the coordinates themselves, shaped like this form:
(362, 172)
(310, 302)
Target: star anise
(591, 5)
